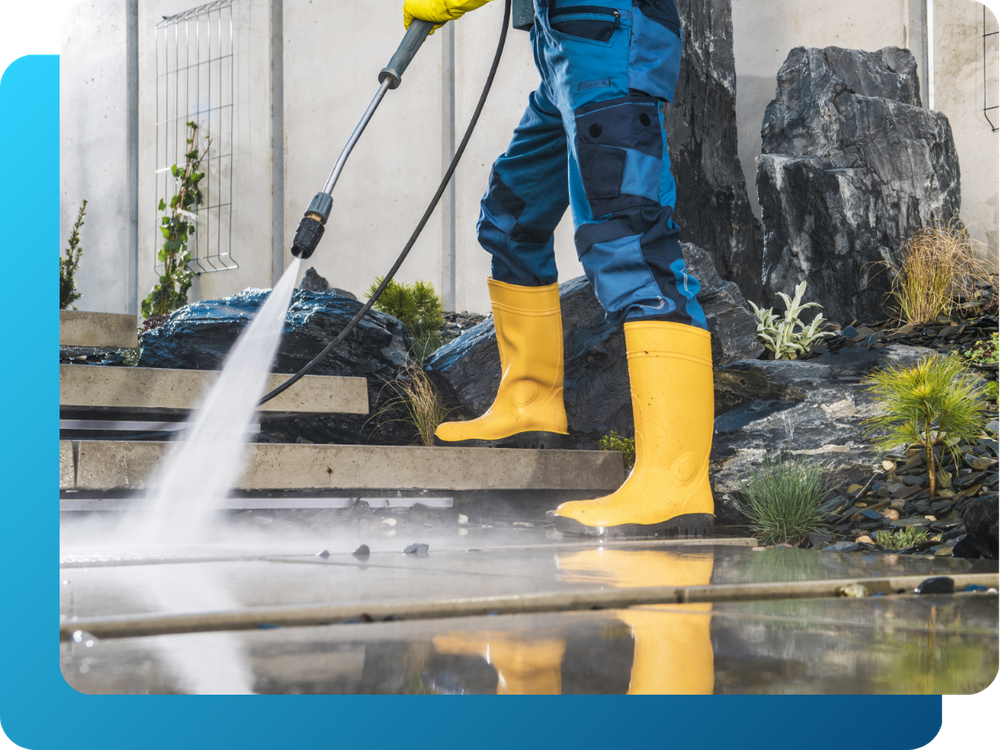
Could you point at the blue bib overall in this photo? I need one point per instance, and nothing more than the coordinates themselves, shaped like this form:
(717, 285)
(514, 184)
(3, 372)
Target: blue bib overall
(592, 138)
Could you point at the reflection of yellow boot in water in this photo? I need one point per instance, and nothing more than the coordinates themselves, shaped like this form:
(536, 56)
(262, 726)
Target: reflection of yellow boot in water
(673, 648)
(524, 667)
(667, 493)
(528, 411)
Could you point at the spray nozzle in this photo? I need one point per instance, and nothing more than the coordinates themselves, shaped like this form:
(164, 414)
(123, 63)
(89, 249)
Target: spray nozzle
(310, 229)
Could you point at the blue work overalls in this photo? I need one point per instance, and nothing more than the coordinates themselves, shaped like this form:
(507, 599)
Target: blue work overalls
(592, 138)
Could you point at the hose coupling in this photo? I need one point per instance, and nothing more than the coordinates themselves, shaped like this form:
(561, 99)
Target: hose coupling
(310, 229)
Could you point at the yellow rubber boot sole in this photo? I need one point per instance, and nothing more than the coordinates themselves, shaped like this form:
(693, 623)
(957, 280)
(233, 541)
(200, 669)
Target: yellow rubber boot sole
(528, 411)
(667, 493)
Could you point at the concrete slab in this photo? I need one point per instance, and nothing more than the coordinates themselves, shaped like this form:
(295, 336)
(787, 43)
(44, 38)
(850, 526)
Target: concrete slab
(124, 465)
(97, 330)
(898, 645)
(880, 644)
(148, 390)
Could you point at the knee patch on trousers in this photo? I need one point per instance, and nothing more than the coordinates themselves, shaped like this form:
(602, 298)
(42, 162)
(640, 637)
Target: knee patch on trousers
(619, 145)
(521, 254)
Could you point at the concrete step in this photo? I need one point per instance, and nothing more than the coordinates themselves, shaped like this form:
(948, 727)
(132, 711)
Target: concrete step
(105, 331)
(123, 391)
(89, 465)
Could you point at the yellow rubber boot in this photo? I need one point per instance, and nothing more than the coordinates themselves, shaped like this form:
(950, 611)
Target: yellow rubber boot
(673, 647)
(524, 666)
(673, 402)
(528, 411)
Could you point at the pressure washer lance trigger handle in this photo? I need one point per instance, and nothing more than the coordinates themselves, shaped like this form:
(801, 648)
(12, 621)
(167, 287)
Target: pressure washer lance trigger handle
(415, 36)
(310, 229)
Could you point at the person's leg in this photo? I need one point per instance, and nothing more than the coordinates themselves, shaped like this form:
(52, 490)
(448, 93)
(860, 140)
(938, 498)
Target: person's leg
(527, 196)
(610, 67)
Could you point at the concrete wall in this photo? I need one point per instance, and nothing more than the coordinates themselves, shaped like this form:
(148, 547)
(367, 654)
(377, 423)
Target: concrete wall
(253, 186)
(958, 93)
(98, 149)
(309, 69)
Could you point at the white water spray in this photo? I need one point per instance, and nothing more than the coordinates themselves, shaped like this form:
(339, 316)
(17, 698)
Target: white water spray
(200, 469)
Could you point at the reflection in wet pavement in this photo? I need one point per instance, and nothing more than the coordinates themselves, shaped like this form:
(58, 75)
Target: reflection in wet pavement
(892, 644)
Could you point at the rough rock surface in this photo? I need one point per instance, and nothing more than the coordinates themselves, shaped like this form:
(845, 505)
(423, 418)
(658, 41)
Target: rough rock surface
(981, 520)
(852, 166)
(467, 370)
(813, 409)
(199, 336)
(713, 208)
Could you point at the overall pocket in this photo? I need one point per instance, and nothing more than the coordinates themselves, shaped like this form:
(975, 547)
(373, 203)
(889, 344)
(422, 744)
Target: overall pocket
(590, 22)
(619, 145)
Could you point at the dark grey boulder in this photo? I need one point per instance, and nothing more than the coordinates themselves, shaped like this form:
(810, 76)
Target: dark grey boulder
(313, 282)
(198, 337)
(597, 395)
(713, 208)
(812, 409)
(981, 521)
(852, 166)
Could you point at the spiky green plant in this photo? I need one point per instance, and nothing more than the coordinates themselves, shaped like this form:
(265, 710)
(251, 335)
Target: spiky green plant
(626, 446)
(782, 500)
(789, 337)
(419, 399)
(935, 402)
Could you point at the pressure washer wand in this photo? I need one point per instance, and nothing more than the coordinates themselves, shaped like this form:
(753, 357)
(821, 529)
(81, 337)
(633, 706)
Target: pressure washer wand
(310, 229)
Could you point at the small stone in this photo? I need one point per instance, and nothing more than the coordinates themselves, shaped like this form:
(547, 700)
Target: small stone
(898, 504)
(854, 488)
(940, 506)
(362, 552)
(904, 522)
(853, 591)
(523, 525)
(930, 518)
(871, 514)
(943, 550)
(983, 463)
(850, 332)
(820, 537)
(418, 549)
(883, 492)
(389, 521)
(463, 520)
(864, 540)
(324, 554)
(889, 465)
(993, 426)
(975, 587)
(945, 493)
(891, 514)
(938, 585)
(915, 479)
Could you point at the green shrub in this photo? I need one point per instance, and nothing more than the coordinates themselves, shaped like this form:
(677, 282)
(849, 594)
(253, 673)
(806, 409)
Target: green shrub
(418, 307)
(789, 337)
(984, 352)
(68, 265)
(782, 500)
(615, 442)
(936, 402)
(170, 292)
(902, 538)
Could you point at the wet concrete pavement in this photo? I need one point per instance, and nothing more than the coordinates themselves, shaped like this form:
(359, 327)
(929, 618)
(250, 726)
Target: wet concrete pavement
(876, 644)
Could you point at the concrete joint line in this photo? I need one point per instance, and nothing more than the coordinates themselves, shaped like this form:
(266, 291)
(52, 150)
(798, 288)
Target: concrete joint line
(252, 618)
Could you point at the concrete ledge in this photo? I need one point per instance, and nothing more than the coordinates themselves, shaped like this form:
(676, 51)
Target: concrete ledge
(124, 465)
(97, 330)
(153, 390)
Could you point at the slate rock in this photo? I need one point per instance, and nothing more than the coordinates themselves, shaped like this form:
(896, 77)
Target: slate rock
(199, 335)
(980, 518)
(938, 585)
(713, 208)
(418, 549)
(814, 408)
(313, 282)
(852, 166)
(362, 552)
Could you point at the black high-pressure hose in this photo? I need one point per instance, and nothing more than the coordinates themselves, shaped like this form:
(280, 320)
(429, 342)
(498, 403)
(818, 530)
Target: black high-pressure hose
(420, 225)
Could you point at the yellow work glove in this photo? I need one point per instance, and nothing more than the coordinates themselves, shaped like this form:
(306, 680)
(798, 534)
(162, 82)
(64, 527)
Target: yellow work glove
(438, 11)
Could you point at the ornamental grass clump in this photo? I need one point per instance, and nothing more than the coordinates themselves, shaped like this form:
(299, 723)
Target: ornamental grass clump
(939, 264)
(782, 500)
(937, 402)
(419, 400)
(789, 337)
(901, 538)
